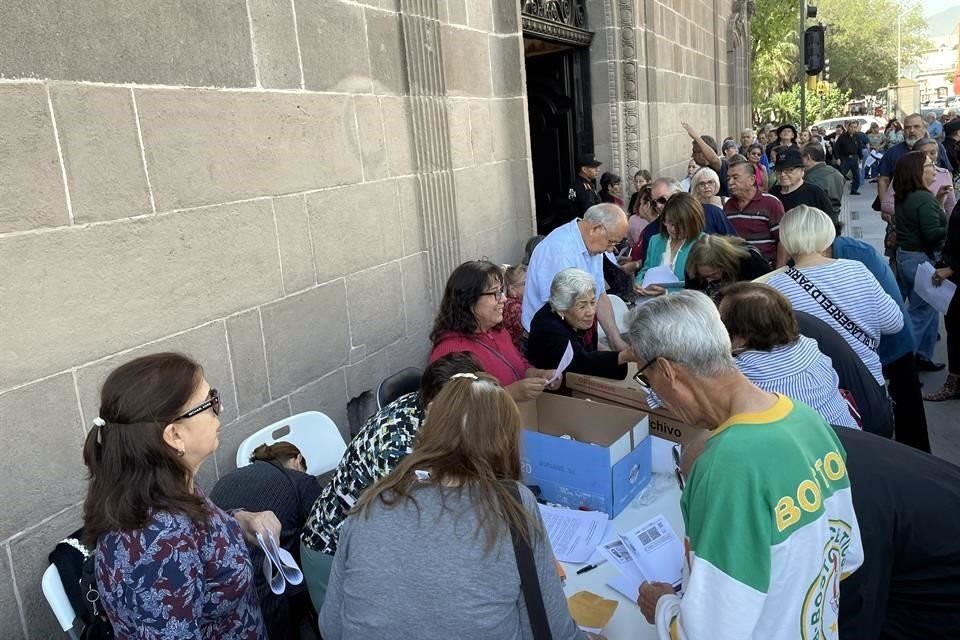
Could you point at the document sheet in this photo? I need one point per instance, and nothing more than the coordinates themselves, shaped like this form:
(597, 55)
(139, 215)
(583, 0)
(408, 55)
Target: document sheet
(574, 535)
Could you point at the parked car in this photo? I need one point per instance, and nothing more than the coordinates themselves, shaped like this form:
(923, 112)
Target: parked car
(865, 122)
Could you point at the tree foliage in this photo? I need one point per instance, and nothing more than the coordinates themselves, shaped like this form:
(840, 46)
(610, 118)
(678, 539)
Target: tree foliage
(784, 106)
(861, 44)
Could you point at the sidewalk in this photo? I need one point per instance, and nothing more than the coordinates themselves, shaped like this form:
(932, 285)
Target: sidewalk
(943, 418)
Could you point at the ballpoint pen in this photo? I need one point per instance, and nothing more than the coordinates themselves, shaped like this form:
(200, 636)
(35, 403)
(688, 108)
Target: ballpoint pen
(590, 567)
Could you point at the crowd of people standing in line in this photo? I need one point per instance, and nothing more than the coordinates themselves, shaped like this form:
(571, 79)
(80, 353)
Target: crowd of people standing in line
(781, 322)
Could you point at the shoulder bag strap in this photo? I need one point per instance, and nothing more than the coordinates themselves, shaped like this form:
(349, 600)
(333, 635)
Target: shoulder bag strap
(529, 581)
(832, 310)
(499, 355)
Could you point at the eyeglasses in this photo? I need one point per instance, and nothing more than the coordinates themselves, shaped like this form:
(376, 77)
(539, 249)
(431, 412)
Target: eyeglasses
(498, 295)
(610, 241)
(212, 402)
(676, 466)
(662, 200)
(641, 378)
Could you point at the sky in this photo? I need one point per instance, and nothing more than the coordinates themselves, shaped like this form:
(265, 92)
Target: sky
(931, 7)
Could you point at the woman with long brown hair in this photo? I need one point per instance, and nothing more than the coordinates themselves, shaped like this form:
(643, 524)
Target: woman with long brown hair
(169, 562)
(682, 225)
(921, 225)
(428, 548)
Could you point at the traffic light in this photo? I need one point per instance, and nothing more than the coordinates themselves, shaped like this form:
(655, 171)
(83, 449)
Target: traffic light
(813, 51)
(826, 68)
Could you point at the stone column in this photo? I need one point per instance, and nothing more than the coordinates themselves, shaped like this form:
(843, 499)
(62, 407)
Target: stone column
(423, 50)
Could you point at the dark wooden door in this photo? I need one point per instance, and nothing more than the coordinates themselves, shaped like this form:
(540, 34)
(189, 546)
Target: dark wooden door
(552, 103)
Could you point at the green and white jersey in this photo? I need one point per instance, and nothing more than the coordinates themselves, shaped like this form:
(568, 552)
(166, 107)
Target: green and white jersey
(771, 531)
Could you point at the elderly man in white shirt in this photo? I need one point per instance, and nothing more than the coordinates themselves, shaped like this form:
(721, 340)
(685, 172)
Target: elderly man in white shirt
(580, 243)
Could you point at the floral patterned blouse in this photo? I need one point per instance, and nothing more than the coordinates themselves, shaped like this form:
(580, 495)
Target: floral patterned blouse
(176, 578)
(512, 310)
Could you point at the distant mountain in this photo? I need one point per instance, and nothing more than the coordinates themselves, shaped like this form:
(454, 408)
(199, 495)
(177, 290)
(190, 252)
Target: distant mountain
(940, 24)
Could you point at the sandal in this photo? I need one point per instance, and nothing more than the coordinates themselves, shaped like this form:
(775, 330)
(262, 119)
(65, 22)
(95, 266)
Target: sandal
(949, 391)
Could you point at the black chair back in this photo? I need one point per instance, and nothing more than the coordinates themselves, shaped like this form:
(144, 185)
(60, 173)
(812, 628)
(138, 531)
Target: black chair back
(402, 382)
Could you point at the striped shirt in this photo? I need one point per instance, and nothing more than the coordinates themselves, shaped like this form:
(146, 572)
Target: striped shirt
(850, 300)
(758, 222)
(801, 372)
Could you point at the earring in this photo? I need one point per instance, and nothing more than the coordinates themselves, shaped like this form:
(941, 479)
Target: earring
(181, 452)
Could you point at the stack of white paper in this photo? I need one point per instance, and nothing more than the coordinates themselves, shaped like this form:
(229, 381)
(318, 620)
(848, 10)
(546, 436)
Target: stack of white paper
(574, 535)
(650, 553)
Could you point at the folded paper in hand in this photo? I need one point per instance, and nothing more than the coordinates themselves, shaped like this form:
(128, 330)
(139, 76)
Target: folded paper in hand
(279, 567)
(565, 361)
(650, 553)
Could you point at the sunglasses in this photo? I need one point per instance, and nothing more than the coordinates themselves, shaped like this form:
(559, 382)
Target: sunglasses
(213, 402)
(662, 200)
(641, 378)
(676, 466)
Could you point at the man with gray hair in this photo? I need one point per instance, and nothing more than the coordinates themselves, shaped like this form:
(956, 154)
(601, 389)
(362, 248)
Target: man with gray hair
(579, 243)
(767, 508)
(914, 129)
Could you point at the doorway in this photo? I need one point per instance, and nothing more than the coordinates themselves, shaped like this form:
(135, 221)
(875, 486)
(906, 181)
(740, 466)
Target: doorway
(560, 124)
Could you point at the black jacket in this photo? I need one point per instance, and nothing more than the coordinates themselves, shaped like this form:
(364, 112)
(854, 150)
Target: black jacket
(871, 398)
(909, 584)
(549, 336)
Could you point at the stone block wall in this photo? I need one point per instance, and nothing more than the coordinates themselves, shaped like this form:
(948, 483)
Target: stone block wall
(277, 188)
(655, 63)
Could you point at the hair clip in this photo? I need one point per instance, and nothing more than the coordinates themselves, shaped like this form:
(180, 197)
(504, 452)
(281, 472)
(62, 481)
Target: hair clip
(99, 422)
(469, 376)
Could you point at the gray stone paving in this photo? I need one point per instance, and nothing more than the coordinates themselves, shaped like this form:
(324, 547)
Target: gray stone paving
(943, 418)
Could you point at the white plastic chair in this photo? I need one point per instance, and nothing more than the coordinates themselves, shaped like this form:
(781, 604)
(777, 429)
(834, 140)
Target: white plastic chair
(619, 314)
(314, 433)
(56, 597)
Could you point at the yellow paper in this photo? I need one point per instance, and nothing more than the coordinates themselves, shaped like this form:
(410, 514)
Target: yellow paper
(590, 610)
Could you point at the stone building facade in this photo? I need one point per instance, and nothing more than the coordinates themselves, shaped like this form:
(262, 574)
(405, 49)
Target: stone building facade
(278, 188)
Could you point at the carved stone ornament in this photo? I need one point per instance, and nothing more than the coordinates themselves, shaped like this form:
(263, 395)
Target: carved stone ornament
(556, 20)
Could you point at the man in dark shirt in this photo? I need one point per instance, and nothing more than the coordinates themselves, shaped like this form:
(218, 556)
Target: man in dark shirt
(905, 501)
(791, 189)
(846, 149)
(817, 172)
(583, 194)
(914, 129)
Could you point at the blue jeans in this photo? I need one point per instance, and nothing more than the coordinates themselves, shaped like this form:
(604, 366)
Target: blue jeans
(925, 319)
(864, 154)
(851, 164)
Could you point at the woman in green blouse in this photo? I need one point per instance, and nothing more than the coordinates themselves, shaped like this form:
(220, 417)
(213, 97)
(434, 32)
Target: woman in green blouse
(921, 226)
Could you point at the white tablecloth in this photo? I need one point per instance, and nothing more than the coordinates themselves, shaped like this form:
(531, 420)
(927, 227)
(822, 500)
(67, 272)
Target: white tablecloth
(628, 623)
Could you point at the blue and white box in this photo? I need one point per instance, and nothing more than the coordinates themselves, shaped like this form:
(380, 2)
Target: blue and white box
(585, 454)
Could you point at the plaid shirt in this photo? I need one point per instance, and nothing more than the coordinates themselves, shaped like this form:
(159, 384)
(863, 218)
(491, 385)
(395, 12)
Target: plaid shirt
(385, 439)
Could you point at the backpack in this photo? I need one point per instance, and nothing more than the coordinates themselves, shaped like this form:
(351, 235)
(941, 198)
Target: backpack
(76, 564)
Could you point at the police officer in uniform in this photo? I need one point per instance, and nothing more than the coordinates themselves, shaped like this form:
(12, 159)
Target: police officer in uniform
(583, 194)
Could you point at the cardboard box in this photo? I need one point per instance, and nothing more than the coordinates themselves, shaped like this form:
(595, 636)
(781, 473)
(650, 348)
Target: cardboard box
(603, 466)
(661, 425)
(627, 393)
